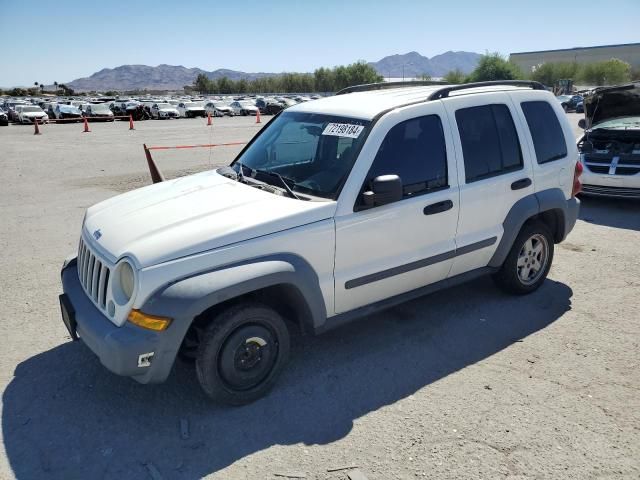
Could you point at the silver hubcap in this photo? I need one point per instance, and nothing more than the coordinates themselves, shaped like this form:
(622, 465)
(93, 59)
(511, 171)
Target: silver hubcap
(532, 259)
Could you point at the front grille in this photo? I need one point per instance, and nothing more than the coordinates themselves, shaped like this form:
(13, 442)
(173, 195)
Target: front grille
(93, 275)
(624, 164)
(598, 168)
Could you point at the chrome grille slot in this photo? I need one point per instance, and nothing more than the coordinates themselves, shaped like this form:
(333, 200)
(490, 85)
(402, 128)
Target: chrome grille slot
(94, 275)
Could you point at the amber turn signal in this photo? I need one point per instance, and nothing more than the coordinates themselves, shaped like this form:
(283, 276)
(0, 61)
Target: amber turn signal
(151, 322)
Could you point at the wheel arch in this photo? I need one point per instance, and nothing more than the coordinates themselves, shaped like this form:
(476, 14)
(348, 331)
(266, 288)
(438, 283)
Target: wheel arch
(286, 283)
(548, 206)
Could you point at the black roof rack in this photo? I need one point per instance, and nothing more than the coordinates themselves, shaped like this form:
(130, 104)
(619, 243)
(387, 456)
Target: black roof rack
(384, 85)
(444, 92)
(441, 92)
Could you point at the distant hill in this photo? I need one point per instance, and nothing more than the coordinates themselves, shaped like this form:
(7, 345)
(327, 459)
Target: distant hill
(174, 77)
(162, 77)
(416, 65)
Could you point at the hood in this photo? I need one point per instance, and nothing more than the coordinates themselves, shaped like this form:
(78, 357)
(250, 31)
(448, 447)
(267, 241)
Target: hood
(607, 103)
(167, 109)
(192, 214)
(34, 114)
(194, 107)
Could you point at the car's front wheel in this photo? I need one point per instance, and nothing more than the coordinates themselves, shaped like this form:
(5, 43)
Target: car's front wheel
(529, 260)
(242, 353)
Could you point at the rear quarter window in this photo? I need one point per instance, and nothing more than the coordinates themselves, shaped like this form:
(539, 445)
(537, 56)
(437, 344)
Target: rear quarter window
(546, 131)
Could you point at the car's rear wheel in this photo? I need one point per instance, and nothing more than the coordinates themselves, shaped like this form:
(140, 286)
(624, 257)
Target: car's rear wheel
(242, 353)
(529, 260)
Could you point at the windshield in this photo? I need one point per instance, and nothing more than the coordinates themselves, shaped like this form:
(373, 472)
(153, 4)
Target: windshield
(100, 108)
(192, 105)
(31, 109)
(246, 104)
(314, 152)
(165, 105)
(622, 123)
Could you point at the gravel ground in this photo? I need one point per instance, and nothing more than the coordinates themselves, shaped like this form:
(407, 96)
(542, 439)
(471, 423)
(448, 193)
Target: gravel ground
(468, 383)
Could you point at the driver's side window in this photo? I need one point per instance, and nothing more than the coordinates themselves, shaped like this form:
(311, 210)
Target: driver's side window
(415, 150)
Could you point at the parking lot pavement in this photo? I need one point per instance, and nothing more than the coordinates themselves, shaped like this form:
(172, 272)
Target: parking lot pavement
(466, 383)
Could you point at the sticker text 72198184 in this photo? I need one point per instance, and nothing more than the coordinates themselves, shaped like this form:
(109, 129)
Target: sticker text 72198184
(343, 130)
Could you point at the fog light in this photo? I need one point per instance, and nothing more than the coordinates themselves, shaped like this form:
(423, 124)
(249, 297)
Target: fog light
(151, 322)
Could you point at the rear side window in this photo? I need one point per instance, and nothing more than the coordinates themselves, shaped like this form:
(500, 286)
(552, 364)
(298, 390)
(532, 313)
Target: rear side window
(490, 144)
(546, 131)
(415, 151)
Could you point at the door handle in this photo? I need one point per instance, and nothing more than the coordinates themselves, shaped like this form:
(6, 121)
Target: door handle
(522, 183)
(438, 207)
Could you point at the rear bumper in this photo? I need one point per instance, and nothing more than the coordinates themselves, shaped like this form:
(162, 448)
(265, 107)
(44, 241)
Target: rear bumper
(605, 191)
(118, 348)
(571, 215)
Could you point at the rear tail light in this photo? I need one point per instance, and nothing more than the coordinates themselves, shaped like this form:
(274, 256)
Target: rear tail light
(577, 184)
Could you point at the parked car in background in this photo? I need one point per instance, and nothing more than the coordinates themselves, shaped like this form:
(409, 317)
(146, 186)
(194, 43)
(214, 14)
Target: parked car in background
(580, 106)
(218, 109)
(29, 113)
(164, 111)
(191, 109)
(610, 147)
(244, 107)
(10, 107)
(98, 112)
(4, 118)
(569, 102)
(67, 112)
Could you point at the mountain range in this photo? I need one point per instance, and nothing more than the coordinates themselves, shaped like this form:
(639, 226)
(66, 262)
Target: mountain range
(416, 65)
(175, 77)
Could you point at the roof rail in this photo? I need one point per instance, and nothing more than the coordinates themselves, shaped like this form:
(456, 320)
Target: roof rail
(444, 92)
(384, 85)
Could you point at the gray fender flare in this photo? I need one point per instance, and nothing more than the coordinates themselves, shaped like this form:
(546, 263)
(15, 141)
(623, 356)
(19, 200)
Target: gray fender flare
(186, 298)
(529, 206)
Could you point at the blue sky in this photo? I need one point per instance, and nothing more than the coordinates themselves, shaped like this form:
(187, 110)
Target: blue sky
(62, 40)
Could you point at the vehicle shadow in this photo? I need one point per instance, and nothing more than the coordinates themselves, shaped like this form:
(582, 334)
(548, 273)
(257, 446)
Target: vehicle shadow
(65, 416)
(611, 212)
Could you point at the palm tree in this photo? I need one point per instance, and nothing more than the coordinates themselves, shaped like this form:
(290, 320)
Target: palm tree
(56, 85)
(41, 88)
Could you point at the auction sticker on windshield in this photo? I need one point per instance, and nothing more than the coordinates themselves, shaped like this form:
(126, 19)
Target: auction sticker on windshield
(343, 130)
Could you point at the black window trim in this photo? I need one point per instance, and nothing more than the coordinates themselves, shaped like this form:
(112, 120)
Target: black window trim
(502, 171)
(406, 196)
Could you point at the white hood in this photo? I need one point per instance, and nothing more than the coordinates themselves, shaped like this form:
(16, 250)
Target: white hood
(192, 214)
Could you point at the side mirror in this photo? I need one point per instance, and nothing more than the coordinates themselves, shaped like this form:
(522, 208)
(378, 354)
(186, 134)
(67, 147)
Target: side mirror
(582, 123)
(384, 189)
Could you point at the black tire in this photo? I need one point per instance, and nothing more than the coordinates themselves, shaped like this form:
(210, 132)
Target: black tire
(510, 276)
(242, 354)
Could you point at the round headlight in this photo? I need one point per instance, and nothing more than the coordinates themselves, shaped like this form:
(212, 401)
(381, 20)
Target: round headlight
(126, 280)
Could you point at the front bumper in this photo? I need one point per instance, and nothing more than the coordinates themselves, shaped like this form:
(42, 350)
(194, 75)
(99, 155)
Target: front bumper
(118, 348)
(607, 191)
(31, 120)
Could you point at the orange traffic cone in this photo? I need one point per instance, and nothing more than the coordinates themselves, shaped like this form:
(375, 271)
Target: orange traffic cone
(131, 123)
(209, 120)
(37, 129)
(258, 116)
(86, 126)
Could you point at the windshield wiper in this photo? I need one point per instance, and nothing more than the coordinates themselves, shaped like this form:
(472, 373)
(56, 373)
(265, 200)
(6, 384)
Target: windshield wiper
(282, 181)
(253, 171)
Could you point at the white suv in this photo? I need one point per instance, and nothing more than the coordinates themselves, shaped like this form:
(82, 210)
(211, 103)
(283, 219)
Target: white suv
(335, 209)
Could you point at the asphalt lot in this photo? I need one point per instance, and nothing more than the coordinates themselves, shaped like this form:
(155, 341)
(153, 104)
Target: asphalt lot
(468, 383)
